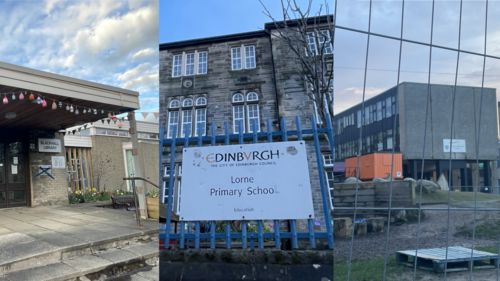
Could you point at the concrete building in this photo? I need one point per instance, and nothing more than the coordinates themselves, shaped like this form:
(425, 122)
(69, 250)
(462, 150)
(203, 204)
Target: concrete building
(100, 155)
(32, 114)
(230, 78)
(408, 105)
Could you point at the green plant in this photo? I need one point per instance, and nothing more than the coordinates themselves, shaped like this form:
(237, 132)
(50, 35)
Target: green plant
(93, 195)
(153, 193)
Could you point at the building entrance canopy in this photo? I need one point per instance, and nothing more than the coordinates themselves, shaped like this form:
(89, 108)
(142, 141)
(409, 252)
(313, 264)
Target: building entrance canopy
(96, 100)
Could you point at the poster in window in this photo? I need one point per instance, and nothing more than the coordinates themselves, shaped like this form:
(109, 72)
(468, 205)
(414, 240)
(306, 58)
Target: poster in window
(14, 169)
(389, 143)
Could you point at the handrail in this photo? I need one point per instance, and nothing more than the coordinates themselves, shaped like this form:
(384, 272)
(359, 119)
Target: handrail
(139, 178)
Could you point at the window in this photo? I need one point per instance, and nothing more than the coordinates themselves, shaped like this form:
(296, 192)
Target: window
(367, 115)
(253, 116)
(177, 66)
(201, 121)
(187, 102)
(153, 136)
(249, 57)
(311, 42)
(189, 64)
(318, 119)
(174, 104)
(167, 171)
(238, 114)
(236, 58)
(252, 96)
(327, 159)
(201, 101)
(123, 133)
(111, 132)
(379, 111)
(173, 121)
(187, 121)
(388, 107)
(498, 162)
(143, 136)
(101, 131)
(359, 118)
(324, 38)
(85, 132)
(202, 63)
(238, 98)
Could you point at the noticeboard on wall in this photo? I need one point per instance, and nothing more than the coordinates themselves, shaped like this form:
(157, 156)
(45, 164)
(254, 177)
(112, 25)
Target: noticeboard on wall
(456, 146)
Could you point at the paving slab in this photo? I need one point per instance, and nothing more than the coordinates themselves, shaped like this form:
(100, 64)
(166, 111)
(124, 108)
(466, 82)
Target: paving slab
(62, 212)
(16, 246)
(89, 235)
(147, 251)
(57, 239)
(49, 224)
(24, 227)
(5, 231)
(119, 256)
(6, 220)
(23, 217)
(70, 220)
(90, 218)
(88, 264)
(114, 229)
(53, 272)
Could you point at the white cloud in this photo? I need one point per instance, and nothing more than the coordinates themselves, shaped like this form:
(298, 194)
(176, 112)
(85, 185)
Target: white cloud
(144, 54)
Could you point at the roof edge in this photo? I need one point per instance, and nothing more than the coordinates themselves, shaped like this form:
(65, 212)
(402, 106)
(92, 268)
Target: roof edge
(215, 39)
(50, 75)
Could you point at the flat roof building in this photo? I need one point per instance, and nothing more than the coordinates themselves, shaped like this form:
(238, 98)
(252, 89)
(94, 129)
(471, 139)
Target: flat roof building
(407, 103)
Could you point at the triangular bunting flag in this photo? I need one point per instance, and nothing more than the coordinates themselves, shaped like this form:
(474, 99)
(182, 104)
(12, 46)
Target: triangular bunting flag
(85, 126)
(114, 121)
(80, 129)
(108, 120)
(91, 123)
(64, 133)
(74, 131)
(144, 114)
(156, 114)
(102, 120)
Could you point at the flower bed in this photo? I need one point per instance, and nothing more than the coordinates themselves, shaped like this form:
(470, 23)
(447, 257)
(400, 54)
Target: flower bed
(93, 195)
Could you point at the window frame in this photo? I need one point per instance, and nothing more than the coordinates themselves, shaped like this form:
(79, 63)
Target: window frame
(201, 98)
(235, 119)
(238, 94)
(170, 123)
(191, 65)
(190, 117)
(197, 122)
(202, 63)
(233, 58)
(174, 100)
(250, 125)
(186, 100)
(252, 57)
(174, 66)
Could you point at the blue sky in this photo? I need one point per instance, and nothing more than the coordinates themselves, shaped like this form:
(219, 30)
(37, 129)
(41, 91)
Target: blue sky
(109, 42)
(192, 19)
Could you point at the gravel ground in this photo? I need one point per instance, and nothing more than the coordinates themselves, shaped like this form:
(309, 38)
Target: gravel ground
(432, 233)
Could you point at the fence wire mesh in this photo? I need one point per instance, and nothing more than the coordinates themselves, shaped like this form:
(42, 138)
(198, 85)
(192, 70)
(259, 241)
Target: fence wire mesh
(477, 133)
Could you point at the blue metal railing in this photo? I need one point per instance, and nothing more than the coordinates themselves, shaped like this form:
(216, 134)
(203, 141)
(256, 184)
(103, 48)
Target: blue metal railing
(294, 235)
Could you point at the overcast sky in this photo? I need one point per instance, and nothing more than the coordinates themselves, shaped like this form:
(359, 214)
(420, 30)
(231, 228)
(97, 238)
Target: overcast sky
(109, 42)
(350, 47)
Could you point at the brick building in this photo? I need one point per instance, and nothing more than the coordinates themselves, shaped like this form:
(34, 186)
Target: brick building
(231, 78)
(31, 118)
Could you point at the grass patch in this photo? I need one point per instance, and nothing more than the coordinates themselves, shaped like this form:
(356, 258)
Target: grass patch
(364, 269)
(488, 230)
(441, 197)
(489, 249)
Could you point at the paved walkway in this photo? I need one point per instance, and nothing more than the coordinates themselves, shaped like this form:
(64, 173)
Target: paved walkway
(46, 232)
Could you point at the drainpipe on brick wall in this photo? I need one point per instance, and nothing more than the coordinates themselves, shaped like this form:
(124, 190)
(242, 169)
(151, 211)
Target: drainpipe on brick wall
(275, 85)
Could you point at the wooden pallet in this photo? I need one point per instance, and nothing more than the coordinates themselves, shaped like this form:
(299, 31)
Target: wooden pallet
(459, 258)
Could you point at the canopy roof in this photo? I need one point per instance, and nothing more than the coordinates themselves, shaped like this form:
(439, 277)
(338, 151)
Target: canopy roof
(81, 94)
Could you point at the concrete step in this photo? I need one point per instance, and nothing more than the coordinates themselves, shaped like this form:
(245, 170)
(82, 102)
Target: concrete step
(22, 251)
(100, 265)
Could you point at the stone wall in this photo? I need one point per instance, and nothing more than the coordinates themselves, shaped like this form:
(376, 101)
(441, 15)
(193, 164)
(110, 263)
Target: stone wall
(45, 190)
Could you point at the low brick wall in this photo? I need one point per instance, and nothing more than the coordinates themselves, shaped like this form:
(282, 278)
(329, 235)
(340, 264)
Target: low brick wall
(258, 264)
(372, 195)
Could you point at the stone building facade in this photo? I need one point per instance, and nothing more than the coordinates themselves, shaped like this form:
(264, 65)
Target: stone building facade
(230, 78)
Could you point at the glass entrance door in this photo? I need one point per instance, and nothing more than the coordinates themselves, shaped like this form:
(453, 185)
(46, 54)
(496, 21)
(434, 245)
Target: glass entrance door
(13, 172)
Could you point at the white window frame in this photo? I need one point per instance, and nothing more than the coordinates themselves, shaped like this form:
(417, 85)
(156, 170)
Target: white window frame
(179, 191)
(250, 57)
(250, 126)
(237, 119)
(238, 94)
(177, 66)
(187, 100)
(253, 94)
(318, 120)
(202, 63)
(324, 160)
(189, 115)
(201, 99)
(236, 59)
(175, 100)
(204, 122)
(189, 65)
(170, 123)
(312, 43)
(328, 49)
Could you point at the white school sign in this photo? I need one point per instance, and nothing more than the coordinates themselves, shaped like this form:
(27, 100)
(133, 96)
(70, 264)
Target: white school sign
(246, 182)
